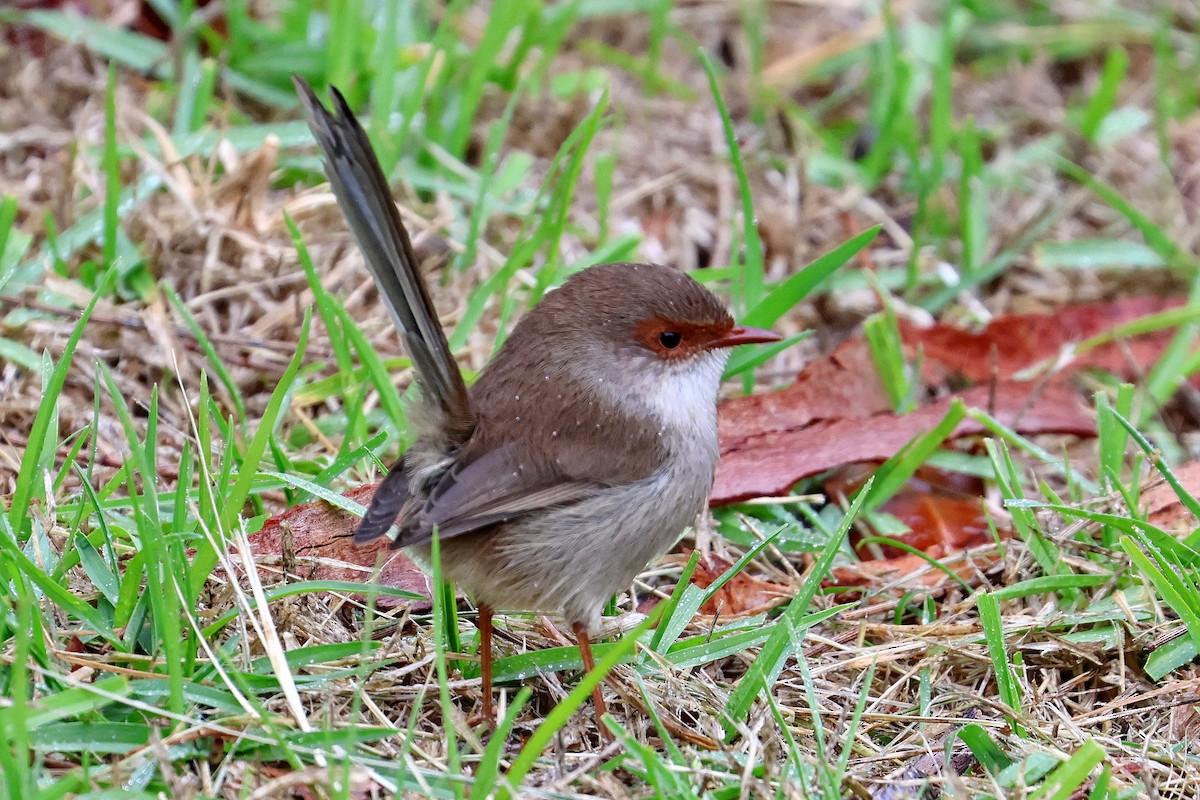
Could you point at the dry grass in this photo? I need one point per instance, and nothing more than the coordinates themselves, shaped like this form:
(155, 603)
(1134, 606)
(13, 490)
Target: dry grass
(215, 233)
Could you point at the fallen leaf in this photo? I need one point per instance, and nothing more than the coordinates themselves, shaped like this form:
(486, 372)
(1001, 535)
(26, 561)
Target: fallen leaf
(943, 511)
(1016, 342)
(844, 385)
(742, 596)
(837, 413)
(770, 463)
(1185, 722)
(938, 524)
(323, 543)
(873, 573)
(1162, 505)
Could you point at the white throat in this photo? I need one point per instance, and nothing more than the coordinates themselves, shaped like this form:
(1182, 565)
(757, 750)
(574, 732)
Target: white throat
(682, 395)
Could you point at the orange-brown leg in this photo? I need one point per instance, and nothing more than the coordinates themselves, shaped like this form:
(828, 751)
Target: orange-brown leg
(585, 651)
(485, 662)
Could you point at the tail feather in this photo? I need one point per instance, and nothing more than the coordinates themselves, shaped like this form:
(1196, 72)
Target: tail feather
(389, 498)
(366, 202)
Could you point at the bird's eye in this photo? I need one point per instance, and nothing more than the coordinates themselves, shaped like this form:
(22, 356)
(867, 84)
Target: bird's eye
(669, 339)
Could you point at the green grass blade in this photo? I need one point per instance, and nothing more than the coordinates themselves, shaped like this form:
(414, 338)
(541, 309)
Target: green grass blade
(784, 297)
(774, 653)
(748, 288)
(559, 715)
(1006, 680)
(29, 474)
(489, 765)
(232, 504)
(984, 748)
(1068, 780)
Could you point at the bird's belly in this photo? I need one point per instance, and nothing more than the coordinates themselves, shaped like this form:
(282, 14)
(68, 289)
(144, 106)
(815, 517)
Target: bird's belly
(570, 560)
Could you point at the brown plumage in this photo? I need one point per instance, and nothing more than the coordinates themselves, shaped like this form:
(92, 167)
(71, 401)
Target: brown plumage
(585, 447)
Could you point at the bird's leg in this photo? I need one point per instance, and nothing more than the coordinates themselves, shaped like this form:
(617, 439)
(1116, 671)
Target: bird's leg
(485, 661)
(585, 651)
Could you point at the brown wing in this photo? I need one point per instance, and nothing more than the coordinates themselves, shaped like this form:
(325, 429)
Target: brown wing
(495, 487)
(496, 481)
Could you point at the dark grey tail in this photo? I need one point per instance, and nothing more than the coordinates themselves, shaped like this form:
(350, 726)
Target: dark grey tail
(366, 202)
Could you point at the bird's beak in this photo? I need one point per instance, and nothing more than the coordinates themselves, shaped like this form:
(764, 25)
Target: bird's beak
(740, 334)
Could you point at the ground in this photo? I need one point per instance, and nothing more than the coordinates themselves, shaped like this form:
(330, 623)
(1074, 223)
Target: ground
(1019, 159)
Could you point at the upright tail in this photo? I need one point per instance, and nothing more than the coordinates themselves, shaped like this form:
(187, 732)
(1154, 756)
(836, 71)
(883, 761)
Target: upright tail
(366, 202)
